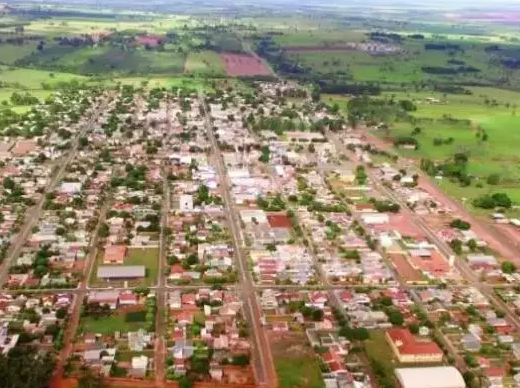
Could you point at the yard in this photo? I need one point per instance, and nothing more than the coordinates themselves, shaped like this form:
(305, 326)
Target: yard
(109, 325)
(149, 257)
(295, 363)
(378, 348)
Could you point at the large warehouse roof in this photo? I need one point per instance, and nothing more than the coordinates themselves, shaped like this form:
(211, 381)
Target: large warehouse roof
(123, 271)
(430, 377)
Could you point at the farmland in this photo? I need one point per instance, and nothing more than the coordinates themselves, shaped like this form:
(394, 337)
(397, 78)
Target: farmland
(204, 63)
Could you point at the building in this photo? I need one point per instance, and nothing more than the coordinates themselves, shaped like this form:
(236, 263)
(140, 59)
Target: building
(114, 254)
(430, 377)
(121, 273)
(409, 349)
(139, 366)
(109, 298)
(186, 203)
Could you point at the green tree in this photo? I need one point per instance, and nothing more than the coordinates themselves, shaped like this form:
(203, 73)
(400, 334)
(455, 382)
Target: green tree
(508, 267)
(396, 318)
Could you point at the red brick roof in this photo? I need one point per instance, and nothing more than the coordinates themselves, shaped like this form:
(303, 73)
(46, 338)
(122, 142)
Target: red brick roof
(279, 221)
(114, 254)
(409, 345)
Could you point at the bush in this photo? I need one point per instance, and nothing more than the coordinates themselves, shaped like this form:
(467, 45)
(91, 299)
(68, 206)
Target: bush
(460, 224)
(492, 201)
(493, 179)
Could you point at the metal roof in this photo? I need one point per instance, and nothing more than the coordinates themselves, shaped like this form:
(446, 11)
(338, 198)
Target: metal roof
(123, 271)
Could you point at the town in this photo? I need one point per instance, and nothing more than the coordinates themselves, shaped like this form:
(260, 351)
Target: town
(240, 238)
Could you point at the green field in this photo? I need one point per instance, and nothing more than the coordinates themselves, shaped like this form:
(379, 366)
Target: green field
(204, 63)
(296, 365)
(108, 325)
(377, 347)
(319, 37)
(491, 110)
(10, 53)
(33, 79)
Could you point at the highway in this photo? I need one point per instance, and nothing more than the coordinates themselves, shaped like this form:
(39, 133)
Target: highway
(262, 357)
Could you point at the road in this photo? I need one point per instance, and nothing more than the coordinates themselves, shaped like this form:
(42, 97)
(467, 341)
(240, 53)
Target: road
(262, 358)
(160, 324)
(81, 291)
(443, 247)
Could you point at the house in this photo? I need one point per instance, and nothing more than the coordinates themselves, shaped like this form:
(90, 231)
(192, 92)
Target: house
(471, 343)
(127, 298)
(114, 254)
(410, 349)
(139, 366)
(109, 298)
(138, 340)
(183, 349)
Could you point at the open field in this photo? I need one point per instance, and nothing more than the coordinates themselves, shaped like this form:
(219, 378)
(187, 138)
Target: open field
(204, 63)
(108, 325)
(491, 110)
(33, 79)
(318, 37)
(186, 82)
(295, 363)
(378, 348)
(10, 53)
(239, 65)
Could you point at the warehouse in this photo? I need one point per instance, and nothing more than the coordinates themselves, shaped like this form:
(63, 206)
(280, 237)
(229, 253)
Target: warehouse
(430, 377)
(125, 272)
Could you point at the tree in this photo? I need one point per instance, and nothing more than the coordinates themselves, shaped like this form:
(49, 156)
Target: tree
(396, 318)
(317, 315)
(460, 224)
(104, 230)
(184, 382)
(508, 267)
(90, 380)
(24, 367)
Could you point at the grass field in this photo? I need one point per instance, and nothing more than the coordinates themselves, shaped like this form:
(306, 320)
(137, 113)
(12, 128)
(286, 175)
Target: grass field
(185, 82)
(149, 257)
(108, 325)
(377, 347)
(10, 53)
(204, 63)
(405, 67)
(498, 118)
(319, 37)
(33, 79)
(296, 364)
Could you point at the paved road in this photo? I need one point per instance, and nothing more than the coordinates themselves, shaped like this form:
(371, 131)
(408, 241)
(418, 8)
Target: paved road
(262, 359)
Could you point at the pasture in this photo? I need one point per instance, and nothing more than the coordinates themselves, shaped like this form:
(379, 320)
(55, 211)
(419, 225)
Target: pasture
(490, 110)
(204, 62)
(33, 79)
